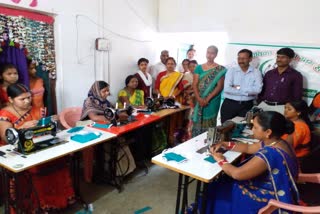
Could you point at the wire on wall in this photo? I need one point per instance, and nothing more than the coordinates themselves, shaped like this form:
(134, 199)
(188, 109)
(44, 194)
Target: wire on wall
(102, 27)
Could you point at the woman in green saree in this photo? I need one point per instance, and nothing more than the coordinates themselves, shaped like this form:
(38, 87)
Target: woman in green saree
(208, 80)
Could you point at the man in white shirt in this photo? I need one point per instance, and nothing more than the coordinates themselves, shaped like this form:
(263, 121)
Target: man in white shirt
(160, 66)
(242, 84)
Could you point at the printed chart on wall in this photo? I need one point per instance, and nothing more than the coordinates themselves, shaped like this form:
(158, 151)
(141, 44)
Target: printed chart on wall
(306, 61)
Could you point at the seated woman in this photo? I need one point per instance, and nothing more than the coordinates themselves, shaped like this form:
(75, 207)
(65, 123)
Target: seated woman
(269, 173)
(297, 112)
(93, 109)
(168, 83)
(314, 108)
(144, 78)
(130, 94)
(96, 102)
(53, 188)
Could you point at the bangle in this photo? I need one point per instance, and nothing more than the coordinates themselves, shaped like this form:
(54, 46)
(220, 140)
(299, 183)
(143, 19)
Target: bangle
(231, 145)
(222, 162)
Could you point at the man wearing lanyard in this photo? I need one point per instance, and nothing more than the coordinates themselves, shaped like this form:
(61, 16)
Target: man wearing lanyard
(242, 84)
(282, 84)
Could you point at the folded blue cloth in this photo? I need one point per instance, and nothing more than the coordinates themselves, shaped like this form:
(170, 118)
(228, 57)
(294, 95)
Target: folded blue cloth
(210, 159)
(173, 156)
(237, 132)
(84, 138)
(102, 126)
(44, 121)
(75, 129)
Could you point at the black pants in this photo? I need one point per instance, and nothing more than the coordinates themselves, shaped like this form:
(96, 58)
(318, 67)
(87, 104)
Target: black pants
(232, 108)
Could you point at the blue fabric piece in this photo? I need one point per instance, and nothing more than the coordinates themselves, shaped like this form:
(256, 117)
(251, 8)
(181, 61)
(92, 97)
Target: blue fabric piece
(102, 126)
(140, 211)
(210, 159)
(84, 138)
(171, 156)
(236, 133)
(44, 121)
(75, 129)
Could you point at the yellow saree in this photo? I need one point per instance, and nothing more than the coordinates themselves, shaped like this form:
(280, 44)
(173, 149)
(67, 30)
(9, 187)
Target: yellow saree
(169, 83)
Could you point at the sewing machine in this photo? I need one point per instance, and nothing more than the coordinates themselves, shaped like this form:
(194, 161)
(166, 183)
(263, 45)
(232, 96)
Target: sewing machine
(28, 140)
(251, 114)
(155, 104)
(218, 134)
(113, 115)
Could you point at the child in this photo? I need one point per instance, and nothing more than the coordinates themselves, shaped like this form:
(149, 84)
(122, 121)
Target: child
(8, 76)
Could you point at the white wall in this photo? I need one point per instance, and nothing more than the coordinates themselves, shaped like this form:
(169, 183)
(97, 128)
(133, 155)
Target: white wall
(78, 64)
(272, 21)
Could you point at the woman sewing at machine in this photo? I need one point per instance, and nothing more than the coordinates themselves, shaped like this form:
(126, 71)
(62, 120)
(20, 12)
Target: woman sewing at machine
(93, 109)
(96, 102)
(269, 173)
(51, 183)
(130, 94)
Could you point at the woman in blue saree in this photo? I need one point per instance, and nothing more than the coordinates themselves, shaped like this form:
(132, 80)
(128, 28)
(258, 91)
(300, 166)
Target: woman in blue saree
(208, 80)
(270, 172)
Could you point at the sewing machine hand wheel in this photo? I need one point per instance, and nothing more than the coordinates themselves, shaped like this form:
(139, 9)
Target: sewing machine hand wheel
(12, 136)
(109, 114)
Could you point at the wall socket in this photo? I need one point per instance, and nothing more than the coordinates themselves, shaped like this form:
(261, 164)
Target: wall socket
(102, 44)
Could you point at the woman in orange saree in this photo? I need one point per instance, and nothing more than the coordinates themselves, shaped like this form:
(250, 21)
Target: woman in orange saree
(47, 187)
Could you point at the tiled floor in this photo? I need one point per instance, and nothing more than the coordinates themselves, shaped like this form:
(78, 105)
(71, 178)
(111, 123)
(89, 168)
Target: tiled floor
(156, 190)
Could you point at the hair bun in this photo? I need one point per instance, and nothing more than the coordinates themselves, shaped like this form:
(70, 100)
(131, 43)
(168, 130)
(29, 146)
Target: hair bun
(289, 127)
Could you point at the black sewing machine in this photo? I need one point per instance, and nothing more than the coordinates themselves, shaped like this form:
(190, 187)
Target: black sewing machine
(24, 139)
(218, 134)
(254, 111)
(113, 115)
(155, 104)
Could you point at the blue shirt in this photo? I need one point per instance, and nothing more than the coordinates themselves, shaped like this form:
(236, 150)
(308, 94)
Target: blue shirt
(249, 84)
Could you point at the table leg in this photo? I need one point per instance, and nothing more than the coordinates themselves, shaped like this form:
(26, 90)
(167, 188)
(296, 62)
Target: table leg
(204, 198)
(75, 174)
(185, 193)
(179, 193)
(113, 179)
(196, 200)
(6, 189)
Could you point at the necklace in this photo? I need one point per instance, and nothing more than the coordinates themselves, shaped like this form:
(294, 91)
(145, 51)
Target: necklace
(273, 143)
(17, 111)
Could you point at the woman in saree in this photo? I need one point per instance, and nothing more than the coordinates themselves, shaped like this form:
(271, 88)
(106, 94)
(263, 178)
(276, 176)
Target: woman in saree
(168, 83)
(144, 78)
(297, 112)
(269, 173)
(93, 109)
(53, 187)
(208, 80)
(37, 90)
(130, 94)
(96, 102)
(187, 81)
